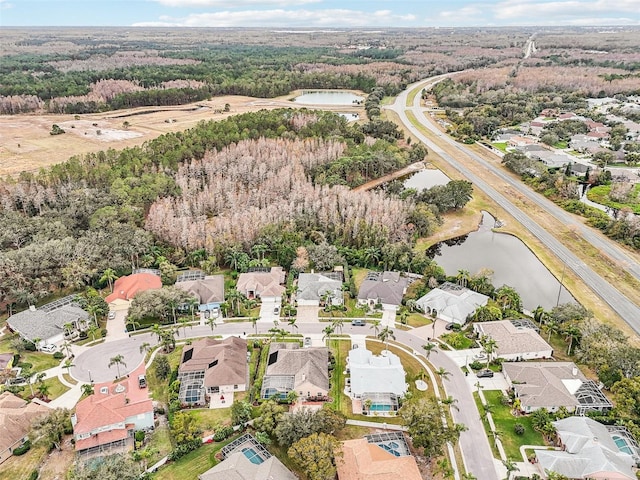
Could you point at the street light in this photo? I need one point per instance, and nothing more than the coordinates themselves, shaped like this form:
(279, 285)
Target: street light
(90, 376)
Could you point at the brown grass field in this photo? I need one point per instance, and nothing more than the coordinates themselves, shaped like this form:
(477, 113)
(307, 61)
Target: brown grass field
(26, 145)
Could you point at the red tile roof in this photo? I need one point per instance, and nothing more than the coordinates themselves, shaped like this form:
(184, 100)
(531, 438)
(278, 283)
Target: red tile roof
(126, 288)
(102, 438)
(119, 401)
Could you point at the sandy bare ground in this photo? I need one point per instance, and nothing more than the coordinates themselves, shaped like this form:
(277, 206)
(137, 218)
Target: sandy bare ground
(26, 145)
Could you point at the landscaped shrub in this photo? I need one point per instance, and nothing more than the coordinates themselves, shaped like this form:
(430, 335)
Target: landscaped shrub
(34, 475)
(182, 449)
(103, 332)
(139, 436)
(58, 355)
(223, 433)
(22, 449)
(518, 429)
(30, 347)
(476, 365)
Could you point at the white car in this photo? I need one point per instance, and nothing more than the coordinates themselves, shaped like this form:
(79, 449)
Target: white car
(112, 315)
(49, 348)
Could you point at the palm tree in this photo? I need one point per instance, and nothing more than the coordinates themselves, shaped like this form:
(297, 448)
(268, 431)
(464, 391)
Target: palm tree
(254, 323)
(28, 375)
(292, 323)
(168, 339)
(328, 332)
(552, 327)
(385, 334)
(376, 327)
(131, 322)
(67, 347)
(442, 373)
(487, 409)
(92, 330)
(87, 390)
(259, 249)
(145, 347)
(539, 315)
(43, 390)
(68, 328)
(338, 323)
(212, 323)
(511, 467)
(572, 334)
(489, 346)
(109, 276)
(94, 310)
(192, 303)
(429, 348)
(234, 297)
(157, 331)
(463, 277)
(117, 361)
(450, 402)
(468, 476)
(404, 315)
(68, 363)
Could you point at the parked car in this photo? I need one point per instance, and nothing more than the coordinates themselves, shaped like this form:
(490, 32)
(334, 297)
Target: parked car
(50, 348)
(276, 310)
(112, 315)
(485, 374)
(480, 356)
(449, 326)
(215, 312)
(307, 342)
(142, 381)
(358, 323)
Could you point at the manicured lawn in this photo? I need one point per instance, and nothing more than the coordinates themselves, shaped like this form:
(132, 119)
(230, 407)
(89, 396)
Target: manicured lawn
(458, 340)
(487, 428)
(417, 320)
(341, 402)
(157, 387)
(192, 464)
(40, 361)
(600, 194)
(502, 146)
(56, 388)
(505, 422)
(562, 144)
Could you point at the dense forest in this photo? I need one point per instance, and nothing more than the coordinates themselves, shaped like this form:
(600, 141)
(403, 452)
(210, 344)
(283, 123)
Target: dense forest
(195, 196)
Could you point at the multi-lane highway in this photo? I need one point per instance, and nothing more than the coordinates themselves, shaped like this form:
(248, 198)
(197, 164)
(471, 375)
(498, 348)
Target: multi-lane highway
(623, 306)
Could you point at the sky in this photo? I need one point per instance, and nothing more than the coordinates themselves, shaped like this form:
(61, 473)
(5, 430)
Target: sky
(318, 14)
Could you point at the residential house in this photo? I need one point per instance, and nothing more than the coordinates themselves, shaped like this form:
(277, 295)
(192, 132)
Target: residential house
(590, 450)
(451, 302)
(515, 339)
(552, 385)
(520, 141)
(314, 288)
(214, 368)
(16, 417)
(207, 289)
(291, 368)
(262, 284)
(246, 459)
(384, 289)
(105, 422)
(381, 456)
(568, 116)
(125, 288)
(50, 323)
(377, 382)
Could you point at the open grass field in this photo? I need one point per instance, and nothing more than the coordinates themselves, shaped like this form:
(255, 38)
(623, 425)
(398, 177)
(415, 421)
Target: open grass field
(27, 145)
(192, 464)
(19, 468)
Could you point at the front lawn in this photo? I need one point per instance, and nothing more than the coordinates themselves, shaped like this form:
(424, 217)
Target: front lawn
(502, 146)
(505, 421)
(458, 340)
(56, 388)
(192, 464)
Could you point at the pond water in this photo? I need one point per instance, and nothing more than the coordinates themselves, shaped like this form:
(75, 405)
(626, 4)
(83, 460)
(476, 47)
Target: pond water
(511, 260)
(427, 178)
(328, 97)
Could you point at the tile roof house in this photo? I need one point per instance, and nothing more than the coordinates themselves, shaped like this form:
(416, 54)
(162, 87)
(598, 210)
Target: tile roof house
(589, 451)
(16, 416)
(378, 378)
(213, 367)
(105, 422)
(246, 459)
(206, 288)
(262, 284)
(312, 288)
(451, 302)
(513, 342)
(47, 322)
(552, 385)
(125, 288)
(386, 459)
(291, 368)
(385, 288)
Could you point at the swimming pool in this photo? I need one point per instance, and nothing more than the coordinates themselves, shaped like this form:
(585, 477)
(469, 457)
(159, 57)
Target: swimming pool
(622, 444)
(379, 407)
(252, 456)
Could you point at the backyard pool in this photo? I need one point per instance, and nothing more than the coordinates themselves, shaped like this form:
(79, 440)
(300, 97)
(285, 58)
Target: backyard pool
(253, 456)
(379, 407)
(622, 444)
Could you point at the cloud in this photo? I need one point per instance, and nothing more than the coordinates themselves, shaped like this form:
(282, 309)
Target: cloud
(4, 5)
(236, 3)
(330, 18)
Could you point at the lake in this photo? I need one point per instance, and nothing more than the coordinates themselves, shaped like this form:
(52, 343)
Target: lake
(328, 97)
(427, 178)
(351, 117)
(510, 259)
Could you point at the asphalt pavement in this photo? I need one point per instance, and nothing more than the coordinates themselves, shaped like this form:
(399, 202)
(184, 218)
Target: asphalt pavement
(625, 308)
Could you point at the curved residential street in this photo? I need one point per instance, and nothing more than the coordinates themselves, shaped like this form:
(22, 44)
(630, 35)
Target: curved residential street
(625, 308)
(93, 363)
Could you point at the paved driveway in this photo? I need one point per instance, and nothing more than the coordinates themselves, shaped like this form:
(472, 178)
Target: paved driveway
(267, 314)
(116, 329)
(307, 314)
